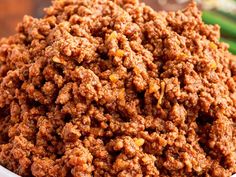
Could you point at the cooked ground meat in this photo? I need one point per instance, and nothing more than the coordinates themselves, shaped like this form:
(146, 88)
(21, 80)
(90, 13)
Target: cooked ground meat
(102, 88)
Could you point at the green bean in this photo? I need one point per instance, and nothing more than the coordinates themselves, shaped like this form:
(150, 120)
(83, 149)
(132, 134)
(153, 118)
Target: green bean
(228, 27)
(230, 15)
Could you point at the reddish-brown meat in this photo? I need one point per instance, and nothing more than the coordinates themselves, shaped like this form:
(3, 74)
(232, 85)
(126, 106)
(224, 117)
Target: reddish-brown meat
(102, 88)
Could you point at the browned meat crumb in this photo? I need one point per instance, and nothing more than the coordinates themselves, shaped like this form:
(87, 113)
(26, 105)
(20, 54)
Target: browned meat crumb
(102, 88)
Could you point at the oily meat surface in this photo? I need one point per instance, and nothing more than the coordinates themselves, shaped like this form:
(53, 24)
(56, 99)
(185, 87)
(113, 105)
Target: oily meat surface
(102, 88)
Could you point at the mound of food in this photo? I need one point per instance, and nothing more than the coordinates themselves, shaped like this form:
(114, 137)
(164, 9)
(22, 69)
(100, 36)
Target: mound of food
(102, 88)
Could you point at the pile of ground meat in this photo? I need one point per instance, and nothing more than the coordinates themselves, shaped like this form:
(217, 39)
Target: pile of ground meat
(101, 88)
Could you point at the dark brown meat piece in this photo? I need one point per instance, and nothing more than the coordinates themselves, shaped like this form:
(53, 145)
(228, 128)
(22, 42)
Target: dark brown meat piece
(103, 88)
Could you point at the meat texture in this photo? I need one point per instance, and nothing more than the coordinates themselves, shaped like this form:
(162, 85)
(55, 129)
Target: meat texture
(102, 88)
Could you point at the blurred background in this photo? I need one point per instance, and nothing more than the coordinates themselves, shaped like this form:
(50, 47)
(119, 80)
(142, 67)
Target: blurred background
(222, 12)
(12, 12)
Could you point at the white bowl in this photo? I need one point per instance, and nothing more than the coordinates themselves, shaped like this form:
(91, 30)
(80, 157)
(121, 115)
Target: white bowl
(6, 173)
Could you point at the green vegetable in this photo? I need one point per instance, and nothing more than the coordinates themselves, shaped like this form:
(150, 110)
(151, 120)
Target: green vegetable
(228, 27)
(231, 43)
(230, 15)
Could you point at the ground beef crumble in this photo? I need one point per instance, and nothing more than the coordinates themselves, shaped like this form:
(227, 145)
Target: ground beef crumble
(103, 88)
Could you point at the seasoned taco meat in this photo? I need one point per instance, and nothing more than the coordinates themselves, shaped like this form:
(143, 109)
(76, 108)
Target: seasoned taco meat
(101, 88)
